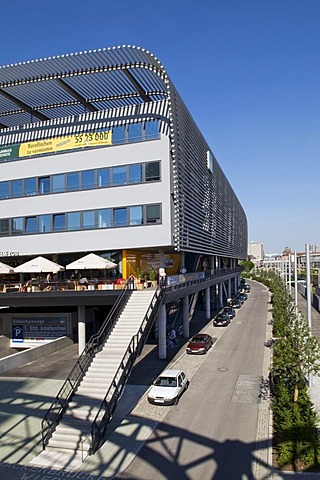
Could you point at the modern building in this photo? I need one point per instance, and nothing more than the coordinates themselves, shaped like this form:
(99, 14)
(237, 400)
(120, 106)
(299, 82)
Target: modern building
(99, 154)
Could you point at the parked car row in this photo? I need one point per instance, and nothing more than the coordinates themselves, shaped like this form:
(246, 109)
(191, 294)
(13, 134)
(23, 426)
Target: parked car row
(170, 385)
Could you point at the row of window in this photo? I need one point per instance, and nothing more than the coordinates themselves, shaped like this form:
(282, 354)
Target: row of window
(84, 180)
(90, 219)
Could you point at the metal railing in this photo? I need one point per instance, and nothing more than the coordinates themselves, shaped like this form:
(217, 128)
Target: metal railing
(76, 375)
(110, 401)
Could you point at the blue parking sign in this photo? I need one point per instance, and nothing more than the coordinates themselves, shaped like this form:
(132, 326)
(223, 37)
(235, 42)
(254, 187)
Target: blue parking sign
(17, 333)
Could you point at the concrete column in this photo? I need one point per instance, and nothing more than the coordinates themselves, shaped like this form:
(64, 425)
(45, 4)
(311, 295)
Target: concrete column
(212, 264)
(161, 258)
(220, 295)
(185, 311)
(208, 311)
(81, 328)
(229, 288)
(182, 260)
(162, 339)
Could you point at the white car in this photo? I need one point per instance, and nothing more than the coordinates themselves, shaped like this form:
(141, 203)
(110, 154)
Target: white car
(168, 387)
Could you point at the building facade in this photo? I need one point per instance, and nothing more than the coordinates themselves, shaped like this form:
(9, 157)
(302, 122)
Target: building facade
(98, 153)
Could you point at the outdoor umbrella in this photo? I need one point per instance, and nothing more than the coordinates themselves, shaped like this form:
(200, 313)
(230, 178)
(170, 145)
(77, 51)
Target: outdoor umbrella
(39, 265)
(5, 269)
(91, 262)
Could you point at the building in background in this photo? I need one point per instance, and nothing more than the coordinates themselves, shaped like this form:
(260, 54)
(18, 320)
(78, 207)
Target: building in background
(255, 251)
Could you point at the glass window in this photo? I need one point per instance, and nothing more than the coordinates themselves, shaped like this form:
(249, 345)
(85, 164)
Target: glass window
(17, 226)
(104, 177)
(58, 184)
(152, 171)
(44, 185)
(153, 214)
(152, 130)
(72, 181)
(30, 186)
(4, 226)
(16, 188)
(73, 220)
(88, 179)
(135, 132)
(135, 173)
(44, 223)
(59, 222)
(135, 215)
(119, 175)
(118, 134)
(104, 218)
(4, 190)
(119, 217)
(31, 225)
(88, 219)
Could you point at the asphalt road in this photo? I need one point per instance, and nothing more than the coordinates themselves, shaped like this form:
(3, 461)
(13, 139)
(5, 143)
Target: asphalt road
(212, 432)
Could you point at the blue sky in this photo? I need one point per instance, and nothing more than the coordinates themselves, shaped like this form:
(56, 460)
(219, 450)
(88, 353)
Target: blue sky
(247, 70)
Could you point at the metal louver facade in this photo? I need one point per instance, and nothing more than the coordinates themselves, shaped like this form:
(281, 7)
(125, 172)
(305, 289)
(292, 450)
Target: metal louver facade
(101, 89)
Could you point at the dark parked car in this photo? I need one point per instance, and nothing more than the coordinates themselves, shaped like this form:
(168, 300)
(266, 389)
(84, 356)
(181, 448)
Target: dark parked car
(230, 311)
(221, 320)
(199, 344)
(243, 297)
(237, 303)
(247, 288)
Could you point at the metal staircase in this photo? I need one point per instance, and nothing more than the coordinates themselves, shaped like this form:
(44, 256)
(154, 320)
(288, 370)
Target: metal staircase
(76, 422)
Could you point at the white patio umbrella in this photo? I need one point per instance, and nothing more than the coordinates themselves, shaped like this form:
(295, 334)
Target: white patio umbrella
(91, 262)
(5, 269)
(39, 265)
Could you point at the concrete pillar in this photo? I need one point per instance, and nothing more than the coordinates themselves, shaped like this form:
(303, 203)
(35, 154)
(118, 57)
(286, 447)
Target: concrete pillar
(81, 328)
(161, 258)
(208, 311)
(220, 295)
(185, 312)
(212, 264)
(162, 339)
(182, 260)
(229, 288)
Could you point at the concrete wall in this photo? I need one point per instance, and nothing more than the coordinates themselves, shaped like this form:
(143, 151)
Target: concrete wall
(21, 358)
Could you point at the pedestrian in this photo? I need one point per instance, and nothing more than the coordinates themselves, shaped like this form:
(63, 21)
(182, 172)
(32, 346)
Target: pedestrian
(131, 282)
(173, 337)
(162, 277)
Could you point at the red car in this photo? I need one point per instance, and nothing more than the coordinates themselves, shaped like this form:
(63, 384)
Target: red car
(200, 344)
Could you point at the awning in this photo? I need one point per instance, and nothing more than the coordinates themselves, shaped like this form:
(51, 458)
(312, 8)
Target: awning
(5, 269)
(91, 262)
(39, 265)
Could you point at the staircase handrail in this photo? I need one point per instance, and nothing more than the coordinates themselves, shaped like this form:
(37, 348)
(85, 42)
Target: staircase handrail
(113, 395)
(66, 392)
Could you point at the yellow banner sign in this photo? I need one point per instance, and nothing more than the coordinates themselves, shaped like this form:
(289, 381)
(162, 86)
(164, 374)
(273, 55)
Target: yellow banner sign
(82, 140)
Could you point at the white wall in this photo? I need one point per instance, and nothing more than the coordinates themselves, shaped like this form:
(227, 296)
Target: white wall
(101, 239)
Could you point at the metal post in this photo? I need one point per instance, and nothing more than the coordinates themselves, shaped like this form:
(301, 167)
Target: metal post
(295, 281)
(289, 272)
(308, 279)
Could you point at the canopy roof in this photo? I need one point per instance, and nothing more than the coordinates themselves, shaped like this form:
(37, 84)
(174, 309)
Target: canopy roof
(91, 262)
(39, 265)
(5, 269)
(70, 85)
